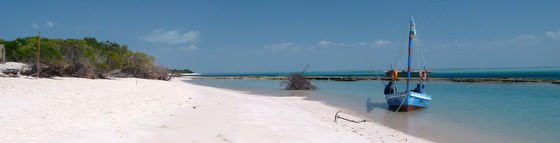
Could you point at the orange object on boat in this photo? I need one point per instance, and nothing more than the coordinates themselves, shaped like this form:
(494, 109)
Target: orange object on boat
(423, 75)
(394, 74)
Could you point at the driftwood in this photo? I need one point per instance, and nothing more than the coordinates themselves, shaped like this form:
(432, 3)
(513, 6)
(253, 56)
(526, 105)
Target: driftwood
(11, 72)
(18, 69)
(296, 81)
(13, 69)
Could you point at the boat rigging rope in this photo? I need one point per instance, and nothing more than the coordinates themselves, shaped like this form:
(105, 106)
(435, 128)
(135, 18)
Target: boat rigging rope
(400, 49)
(402, 102)
(421, 52)
(398, 62)
(379, 78)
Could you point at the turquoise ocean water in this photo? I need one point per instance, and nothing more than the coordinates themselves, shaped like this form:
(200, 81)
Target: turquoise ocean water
(460, 112)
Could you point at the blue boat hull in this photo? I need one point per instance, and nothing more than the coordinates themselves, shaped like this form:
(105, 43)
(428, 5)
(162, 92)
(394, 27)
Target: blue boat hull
(407, 101)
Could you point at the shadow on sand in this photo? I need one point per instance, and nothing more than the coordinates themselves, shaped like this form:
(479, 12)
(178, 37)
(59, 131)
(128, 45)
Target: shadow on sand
(370, 105)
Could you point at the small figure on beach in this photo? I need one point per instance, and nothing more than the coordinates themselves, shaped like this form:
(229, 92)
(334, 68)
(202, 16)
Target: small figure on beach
(419, 88)
(389, 88)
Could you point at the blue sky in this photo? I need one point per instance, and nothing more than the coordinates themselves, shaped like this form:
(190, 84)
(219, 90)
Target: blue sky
(265, 36)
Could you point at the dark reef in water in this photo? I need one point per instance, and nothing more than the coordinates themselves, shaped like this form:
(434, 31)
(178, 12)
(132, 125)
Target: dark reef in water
(357, 78)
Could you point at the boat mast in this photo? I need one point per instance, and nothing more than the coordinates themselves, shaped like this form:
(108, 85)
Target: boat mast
(410, 39)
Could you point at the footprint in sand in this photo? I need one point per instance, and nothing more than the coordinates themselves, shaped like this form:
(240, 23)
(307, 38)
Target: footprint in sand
(223, 138)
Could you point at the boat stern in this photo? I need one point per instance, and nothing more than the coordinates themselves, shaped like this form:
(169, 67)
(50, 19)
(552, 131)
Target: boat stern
(408, 101)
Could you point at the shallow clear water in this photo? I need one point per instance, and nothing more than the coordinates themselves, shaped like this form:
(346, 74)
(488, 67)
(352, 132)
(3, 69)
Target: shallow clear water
(460, 112)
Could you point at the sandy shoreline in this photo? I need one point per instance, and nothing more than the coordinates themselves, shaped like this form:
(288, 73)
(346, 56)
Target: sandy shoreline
(138, 110)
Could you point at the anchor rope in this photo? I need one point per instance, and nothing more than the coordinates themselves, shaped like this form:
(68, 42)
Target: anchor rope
(336, 116)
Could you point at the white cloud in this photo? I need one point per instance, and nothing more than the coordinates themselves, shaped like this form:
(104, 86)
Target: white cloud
(325, 43)
(525, 38)
(191, 47)
(520, 41)
(35, 26)
(49, 24)
(183, 40)
(552, 34)
(382, 43)
(172, 37)
(275, 47)
(362, 43)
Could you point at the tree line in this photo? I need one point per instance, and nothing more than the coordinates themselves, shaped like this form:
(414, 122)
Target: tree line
(85, 57)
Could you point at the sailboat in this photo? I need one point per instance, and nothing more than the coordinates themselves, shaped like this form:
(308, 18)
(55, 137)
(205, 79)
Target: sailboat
(408, 99)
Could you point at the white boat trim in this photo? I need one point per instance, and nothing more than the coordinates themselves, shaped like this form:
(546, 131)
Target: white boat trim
(418, 95)
(403, 94)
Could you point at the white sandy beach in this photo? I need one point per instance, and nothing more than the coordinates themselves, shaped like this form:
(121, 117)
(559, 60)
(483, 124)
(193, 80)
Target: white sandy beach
(149, 111)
